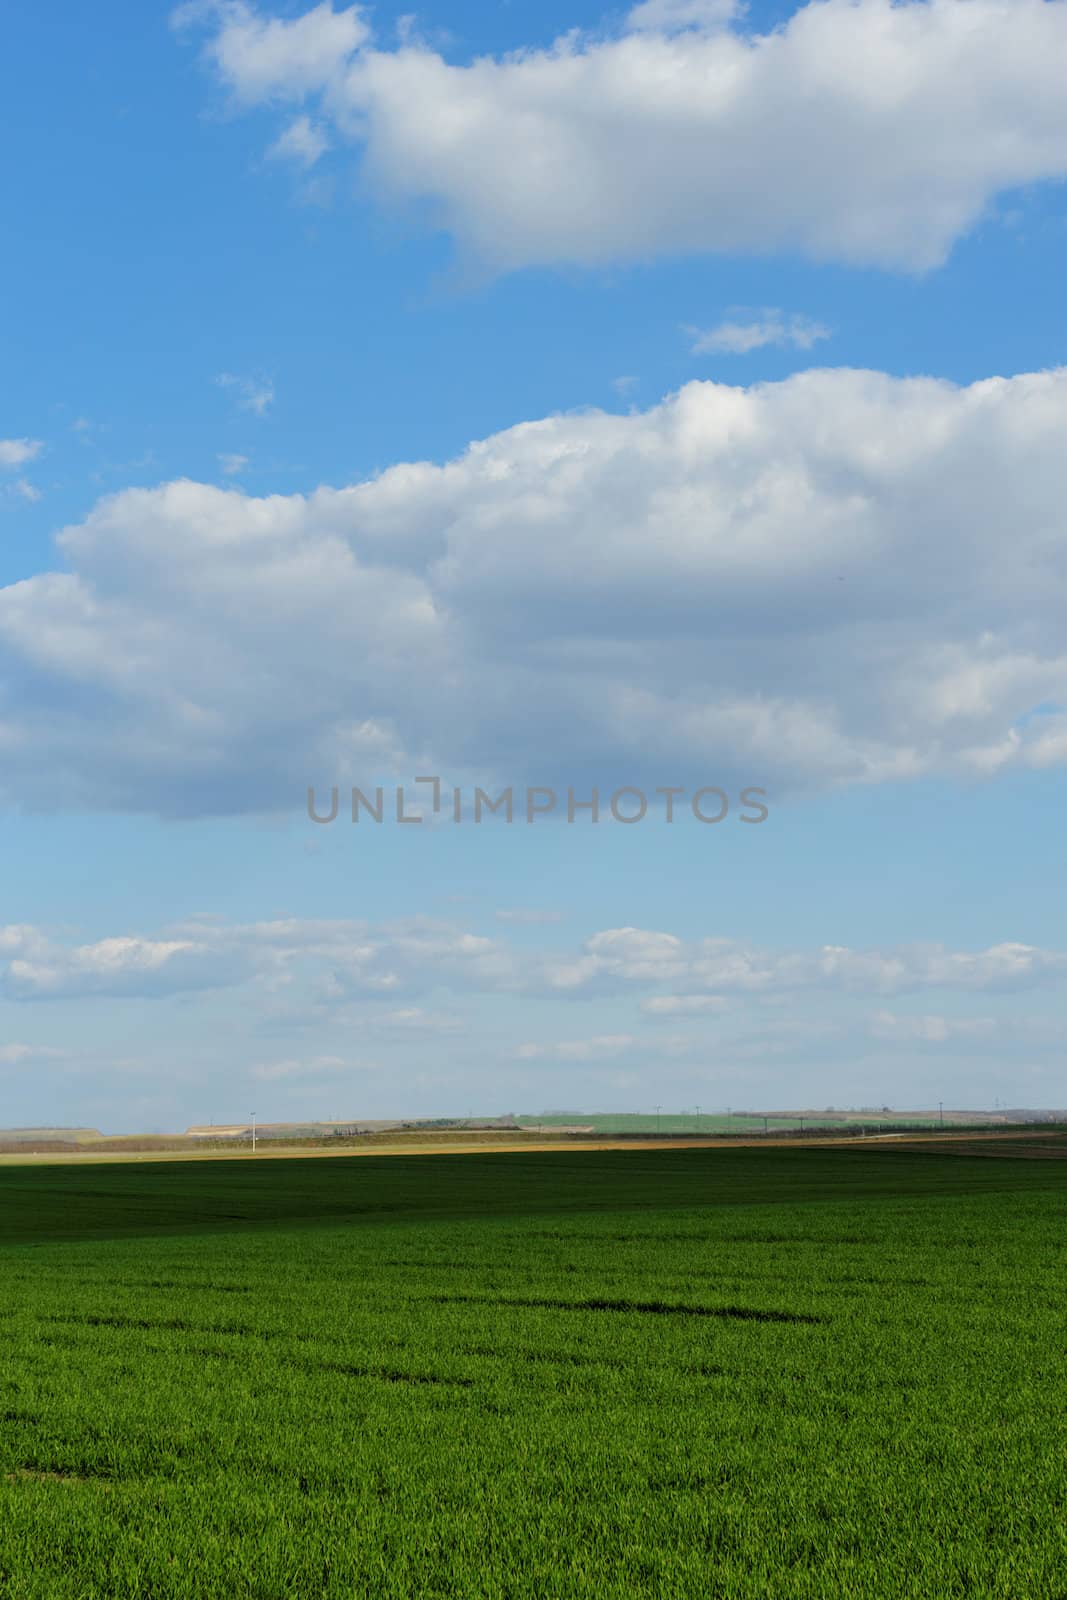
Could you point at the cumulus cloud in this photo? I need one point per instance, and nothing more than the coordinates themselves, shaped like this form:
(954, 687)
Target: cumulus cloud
(767, 327)
(842, 578)
(273, 58)
(871, 133)
(36, 967)
(701, 975)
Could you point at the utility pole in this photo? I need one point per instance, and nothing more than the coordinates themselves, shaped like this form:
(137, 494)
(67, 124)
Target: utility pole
(765, 1124)
(698, 1119)
(253, 1133)
(658, 1110)
(941, 1112)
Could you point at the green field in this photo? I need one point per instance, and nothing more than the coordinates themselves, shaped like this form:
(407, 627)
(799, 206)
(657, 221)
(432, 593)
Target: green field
(737, 1122)
(614, 1122)
(694, 1372)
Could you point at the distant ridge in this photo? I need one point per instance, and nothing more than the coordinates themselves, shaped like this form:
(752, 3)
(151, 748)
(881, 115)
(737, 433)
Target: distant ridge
(50, 1133)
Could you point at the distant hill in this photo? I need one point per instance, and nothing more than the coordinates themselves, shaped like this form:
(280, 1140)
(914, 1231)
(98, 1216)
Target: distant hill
(66, 1135)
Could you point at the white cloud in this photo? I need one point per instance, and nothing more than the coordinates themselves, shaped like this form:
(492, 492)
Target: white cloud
(841, 578)
(38, 968)
(232, 466)
(700, 975)
(387, 970)
(873, 133)
(671, 16)
(302, 141)
(252, 394)
(271, 58)
(16, 452)
(767, 327)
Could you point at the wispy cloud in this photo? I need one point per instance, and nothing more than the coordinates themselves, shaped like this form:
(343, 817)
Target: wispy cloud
(675, 1005)
(303, 141)
(601, 1046)
(302, 1068)
(231, 465)
(764, 327)
(24, 489)
(254, 394)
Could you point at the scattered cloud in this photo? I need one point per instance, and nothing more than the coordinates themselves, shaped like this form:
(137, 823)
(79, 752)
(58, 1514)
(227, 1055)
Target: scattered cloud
(701, 975)
(751, 1014)
(231, 466)
(389, 968)
(768, 146)
(766, 327)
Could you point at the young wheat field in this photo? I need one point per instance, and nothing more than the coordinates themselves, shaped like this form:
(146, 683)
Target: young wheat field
(792, 1374)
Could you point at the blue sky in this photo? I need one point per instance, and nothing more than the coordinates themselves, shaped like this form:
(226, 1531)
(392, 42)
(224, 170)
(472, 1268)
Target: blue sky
(753, 322)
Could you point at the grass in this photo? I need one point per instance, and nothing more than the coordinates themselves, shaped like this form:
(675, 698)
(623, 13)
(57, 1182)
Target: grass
(792, 1374)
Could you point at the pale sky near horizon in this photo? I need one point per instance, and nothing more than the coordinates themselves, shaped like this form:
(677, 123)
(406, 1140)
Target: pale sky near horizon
(540, 397)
